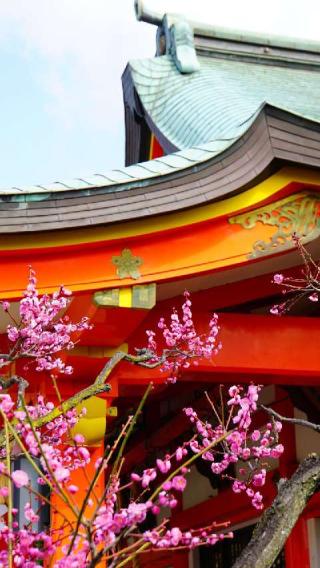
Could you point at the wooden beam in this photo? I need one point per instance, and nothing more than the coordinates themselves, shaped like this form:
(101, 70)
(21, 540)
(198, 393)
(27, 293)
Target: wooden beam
(268, 344)
(283, 350)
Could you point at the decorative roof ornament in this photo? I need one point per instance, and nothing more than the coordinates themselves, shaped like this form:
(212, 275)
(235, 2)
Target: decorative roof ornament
(182, 46)
(147, 15)
(174, 37)
(297, 214)
(127, 264)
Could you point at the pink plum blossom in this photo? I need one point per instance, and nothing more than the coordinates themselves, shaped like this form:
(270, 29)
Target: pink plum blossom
(314, 297)
(20, 478)
(179, 483)
(278, 278)
(183, 342)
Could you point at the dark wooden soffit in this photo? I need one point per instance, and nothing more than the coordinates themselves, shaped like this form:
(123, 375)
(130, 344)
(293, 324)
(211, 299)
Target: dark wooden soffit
(137, 124)
(276, 137)
(138, 133)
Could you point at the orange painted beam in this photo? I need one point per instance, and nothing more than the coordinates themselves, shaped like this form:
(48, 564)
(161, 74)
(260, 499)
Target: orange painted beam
(90, 267)
(112, 326)
(263, 349)
(198, 245)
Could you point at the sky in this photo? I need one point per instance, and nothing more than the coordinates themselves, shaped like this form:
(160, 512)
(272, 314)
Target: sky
(61, 61)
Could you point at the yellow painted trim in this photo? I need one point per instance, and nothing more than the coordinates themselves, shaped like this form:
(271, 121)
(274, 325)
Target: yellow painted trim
(151, 146)
(251, 197)
(125, 297)
(93, 425)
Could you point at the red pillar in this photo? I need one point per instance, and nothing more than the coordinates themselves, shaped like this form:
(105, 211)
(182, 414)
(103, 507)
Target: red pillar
(297, 546)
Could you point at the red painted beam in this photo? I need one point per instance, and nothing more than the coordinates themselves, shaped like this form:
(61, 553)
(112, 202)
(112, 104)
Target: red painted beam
(253, 345)
(270, 344)
(260, 348)
(230, 293)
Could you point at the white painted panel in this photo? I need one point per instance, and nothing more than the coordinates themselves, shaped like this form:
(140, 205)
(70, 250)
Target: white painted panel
(307, 440)
(198, 489)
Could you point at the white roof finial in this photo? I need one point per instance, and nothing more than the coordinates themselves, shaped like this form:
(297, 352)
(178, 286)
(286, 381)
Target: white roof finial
(145, 14)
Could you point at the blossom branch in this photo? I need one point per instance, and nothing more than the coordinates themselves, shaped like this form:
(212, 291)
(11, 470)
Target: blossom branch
(298, 288)
(44, 433)
(97, 473)
(10, 518)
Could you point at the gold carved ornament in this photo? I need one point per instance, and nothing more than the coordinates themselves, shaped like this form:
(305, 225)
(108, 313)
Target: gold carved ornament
(298, 214)
(127, 264)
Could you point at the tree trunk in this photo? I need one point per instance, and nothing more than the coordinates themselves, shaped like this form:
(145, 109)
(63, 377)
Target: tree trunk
(278, 521)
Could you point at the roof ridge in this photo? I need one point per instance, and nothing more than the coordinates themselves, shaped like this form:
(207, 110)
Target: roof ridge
(145, 14)
(257, 38)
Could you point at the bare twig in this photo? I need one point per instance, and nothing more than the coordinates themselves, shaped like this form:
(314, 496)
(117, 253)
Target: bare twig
(298, 421)
(15, 380)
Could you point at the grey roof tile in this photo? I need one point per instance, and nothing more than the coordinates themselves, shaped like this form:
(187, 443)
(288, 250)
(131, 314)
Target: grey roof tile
(220, 100)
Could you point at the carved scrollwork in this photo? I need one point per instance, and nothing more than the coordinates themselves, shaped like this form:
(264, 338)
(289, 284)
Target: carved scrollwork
(298, 214)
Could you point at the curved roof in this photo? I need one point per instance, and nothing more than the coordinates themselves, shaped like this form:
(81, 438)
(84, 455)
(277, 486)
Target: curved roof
(230, 119)
(219, 101)
(228, 167)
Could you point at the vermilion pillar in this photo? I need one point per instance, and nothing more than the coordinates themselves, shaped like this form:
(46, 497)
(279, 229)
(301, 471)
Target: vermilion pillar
(297, 546)
(60, 511)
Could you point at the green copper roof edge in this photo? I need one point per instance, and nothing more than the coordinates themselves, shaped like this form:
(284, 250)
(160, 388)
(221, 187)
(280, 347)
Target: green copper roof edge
(28, 194)
(115, 187)
(64, 191)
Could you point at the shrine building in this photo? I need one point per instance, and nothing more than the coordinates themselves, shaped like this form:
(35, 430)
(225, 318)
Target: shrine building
(222, 167)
